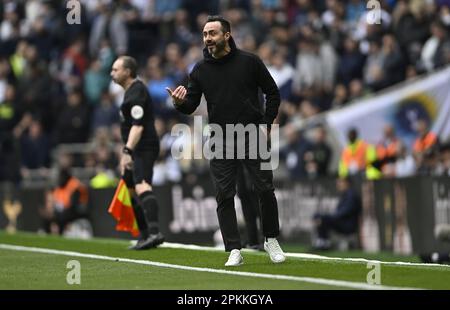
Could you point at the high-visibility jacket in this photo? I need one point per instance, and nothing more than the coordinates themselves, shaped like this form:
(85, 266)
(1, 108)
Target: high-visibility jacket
(389, 149)
(62, 195)
(422, 144)
(358, 157)
(386, 150)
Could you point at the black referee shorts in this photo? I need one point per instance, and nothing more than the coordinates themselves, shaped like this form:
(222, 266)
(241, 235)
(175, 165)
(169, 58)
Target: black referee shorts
(142, 170)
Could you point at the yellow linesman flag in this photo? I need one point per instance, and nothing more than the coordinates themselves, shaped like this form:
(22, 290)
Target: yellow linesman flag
(122, 210)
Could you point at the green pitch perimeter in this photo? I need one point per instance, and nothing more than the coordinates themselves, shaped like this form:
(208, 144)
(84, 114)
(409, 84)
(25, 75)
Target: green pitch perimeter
(28, 269)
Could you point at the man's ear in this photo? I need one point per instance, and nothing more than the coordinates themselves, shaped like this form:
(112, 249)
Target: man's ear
(227, 35)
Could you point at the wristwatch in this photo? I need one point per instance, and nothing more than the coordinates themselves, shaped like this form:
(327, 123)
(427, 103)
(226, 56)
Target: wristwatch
(127, 150)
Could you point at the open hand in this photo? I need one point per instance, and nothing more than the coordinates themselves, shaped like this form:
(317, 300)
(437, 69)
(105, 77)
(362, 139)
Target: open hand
(178, 95)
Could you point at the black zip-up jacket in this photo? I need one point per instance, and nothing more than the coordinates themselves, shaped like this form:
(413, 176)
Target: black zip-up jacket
(230, 85)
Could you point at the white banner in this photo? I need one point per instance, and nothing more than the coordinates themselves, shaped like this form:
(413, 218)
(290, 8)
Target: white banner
(427, 98)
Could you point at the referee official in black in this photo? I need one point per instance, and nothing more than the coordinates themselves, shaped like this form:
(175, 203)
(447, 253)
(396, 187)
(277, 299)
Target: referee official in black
(140, 151)
(230, 80)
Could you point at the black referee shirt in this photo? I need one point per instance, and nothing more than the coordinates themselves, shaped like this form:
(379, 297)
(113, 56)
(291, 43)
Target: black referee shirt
(137, 109)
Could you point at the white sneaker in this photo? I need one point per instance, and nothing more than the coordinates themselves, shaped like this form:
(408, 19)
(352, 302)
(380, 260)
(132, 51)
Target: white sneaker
(235, 258)
(275, 252)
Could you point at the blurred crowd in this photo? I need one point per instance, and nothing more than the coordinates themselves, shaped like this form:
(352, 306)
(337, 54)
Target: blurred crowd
(55, 88)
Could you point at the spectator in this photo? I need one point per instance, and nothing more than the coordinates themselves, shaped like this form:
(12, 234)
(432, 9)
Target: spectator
(73, 65)
(355, 9)
(426, 139)
(374, 76)
(351, 62)
(166, 169)
(388, 151)
(434, 50)
(157, 87)
(10, 111)
(340, 96)
(283, 73)
(293, 153)
(108, 25)
(357, 158)
(317, 155)
(308, 71)
(356, 89)
(95, 82)
(106, 114)
(393, 65)
(175, 66)
(409, 16)
(18, 59)
(308, 109)
(73, 123)
(183, 34)
(96, 79)
(65, 203)
(443, 168)
(35, 149)
(345, 218)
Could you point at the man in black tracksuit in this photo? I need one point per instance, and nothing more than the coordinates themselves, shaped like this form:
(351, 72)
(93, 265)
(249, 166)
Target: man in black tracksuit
(140, 151)
(230, 80)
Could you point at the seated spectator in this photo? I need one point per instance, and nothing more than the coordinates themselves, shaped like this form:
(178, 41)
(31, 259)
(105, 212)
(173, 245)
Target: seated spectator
(65, 203)
(345, 218)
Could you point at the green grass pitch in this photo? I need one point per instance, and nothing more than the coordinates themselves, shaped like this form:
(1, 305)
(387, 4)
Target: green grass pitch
(31, 269)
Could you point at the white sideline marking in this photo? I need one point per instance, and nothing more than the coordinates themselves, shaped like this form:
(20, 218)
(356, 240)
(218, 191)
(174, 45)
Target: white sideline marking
(302, 255)
(339, 283)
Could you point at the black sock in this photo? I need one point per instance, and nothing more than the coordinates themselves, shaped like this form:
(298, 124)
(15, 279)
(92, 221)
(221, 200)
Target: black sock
(150, 207)
(140, 218)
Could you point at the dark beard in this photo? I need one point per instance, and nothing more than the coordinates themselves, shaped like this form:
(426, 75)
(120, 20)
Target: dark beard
(220, 47)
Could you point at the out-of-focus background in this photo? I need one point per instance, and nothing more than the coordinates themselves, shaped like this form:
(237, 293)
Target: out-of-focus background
(385, 83)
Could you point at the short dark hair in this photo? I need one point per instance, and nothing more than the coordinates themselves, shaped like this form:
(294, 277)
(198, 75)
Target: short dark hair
(226, 26)
(130, 63)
